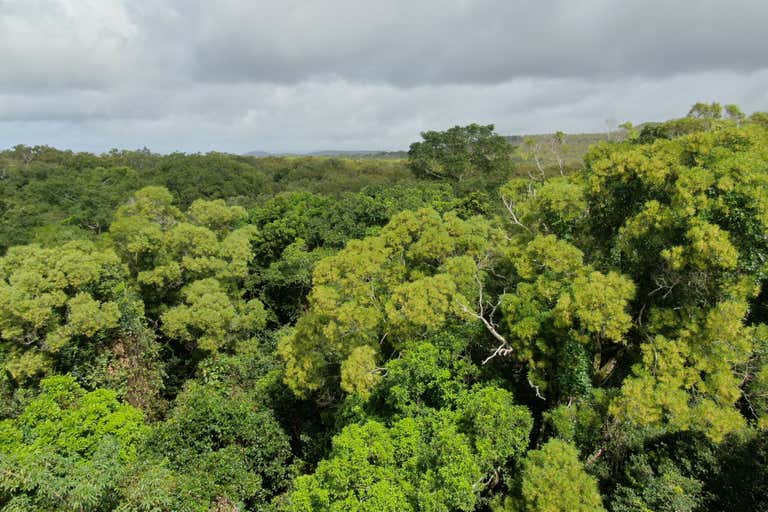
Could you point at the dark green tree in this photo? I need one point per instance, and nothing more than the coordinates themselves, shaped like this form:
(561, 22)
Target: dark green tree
(461, 153)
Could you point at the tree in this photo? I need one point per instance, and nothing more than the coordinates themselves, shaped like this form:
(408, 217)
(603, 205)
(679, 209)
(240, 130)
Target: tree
(699, 361)
(428, 374)
(218, 446)
(533, 149)
(191, 267)
(460, 153)
(55, 299)
(554, 480)
(741, 482)
(759, 118)
(498, 429)
(734, 113)
(405, 282)
(556, 206)
(51, 202)
(210, 320)
(436, 461)
(662, 488)
(707, 110)
(210, 176)
(165, 248)
(69, 449)
(563, 318)
(682, 218)
(285, 283)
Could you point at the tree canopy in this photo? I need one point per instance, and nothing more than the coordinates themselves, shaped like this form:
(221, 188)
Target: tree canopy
(487, 325)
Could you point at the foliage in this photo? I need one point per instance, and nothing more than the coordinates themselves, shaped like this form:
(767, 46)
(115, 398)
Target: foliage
(219, 446)
(488, 325)
(68, 449)
(408, 280)
(561, 312)
(461, 153)
(742, 479)
(428, 374)
(553, 479)
(431, 462)
(54, 298)
(373, 467)
(682, 217)
(209, 318)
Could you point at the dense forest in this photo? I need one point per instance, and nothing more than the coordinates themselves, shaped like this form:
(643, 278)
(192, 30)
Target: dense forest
(485, 325)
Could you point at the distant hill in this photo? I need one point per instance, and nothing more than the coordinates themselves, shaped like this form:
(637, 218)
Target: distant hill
(336, 154)
(576, 146)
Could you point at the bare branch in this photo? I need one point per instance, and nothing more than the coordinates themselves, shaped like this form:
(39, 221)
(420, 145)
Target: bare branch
(536, 390)
(509, 205)
(593, 458)
(504, 347)
(555, 144)
(536, 150)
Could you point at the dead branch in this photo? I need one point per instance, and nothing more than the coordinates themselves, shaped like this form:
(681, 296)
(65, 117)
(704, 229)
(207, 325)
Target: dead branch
(509, 205)
(536, 390)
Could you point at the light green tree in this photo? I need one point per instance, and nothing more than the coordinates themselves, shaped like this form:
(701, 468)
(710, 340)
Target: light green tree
(52, 298)
(686, 219)
(210, 320)
(560, 312)
(166, 249)
(191, 267)
(69, 449)
(406, 282)
(554, 480)
(438, 461)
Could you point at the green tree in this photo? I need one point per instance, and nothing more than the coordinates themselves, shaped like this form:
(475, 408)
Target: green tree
(741, 482)
(706, 110)
(285, 283)
(68, 450)
(210, 320)
(218, 447)
(191, 267)
(50, 202)
(434, 462)
(427, 374)
(165, 248)
(556, 206)
(407, 281)
(683, 218)
(52, 299)
(662, 488)
(553, 480)
(564, 319)
(461, 153)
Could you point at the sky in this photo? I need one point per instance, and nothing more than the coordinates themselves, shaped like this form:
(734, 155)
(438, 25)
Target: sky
(289, 75)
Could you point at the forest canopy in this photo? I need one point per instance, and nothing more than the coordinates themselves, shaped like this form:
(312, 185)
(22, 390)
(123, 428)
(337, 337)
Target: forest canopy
(481, 326)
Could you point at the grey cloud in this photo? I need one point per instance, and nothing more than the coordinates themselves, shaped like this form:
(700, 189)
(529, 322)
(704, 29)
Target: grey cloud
(233, 75)
(51, 44)
(103, 43)
(340, 114)
(486, 41)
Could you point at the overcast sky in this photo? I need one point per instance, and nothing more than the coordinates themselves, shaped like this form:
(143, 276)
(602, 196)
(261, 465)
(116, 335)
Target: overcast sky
(289, 75)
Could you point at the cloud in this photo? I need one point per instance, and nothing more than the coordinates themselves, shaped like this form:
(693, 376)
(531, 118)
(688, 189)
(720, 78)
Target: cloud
(315, 115)
(235, 75)
(50, 44)
(485, 41)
